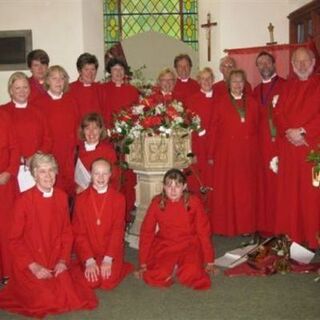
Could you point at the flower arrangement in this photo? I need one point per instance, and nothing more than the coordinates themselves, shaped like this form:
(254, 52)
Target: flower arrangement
(152, 118)
(144, 86)
(314, 157)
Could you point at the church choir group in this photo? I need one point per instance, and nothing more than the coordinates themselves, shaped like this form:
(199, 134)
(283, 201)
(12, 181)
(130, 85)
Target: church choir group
(248, 175)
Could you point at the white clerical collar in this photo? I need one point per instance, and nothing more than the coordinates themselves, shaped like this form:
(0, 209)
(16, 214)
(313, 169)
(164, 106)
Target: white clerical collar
(184, 80)
(208, 94)
(46, 194)
(166, 93)
(20, 105)
(101, 191)
(54, 96)
(235, 97)
(270, 79)
(117, 84)
(90, 146)
(87, 84)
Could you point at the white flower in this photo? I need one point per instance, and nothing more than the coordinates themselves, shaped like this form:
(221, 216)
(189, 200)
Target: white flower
(178, 120)
(178, 106)
(275, 100)
(273, 165)
(202, 133)
(137, 109)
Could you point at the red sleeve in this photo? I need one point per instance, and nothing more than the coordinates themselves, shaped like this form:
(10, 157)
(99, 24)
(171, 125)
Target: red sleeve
(17, 245)
(115, 245)
(47, 141)
(147, 232)
(204, 232)
(14, 155)
(82, 245)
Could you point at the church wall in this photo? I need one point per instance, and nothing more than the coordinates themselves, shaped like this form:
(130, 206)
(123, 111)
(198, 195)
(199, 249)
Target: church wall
(242, 23)
(64, 28)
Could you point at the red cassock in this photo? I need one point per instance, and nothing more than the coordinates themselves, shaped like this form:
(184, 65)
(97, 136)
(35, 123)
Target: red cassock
(180, 247)
(266, 96)
(95, 239)
(87, 97)
(220, 88)
(37, 90)
(63, 119)
(158, 97)
(41, 233)
(114, 99)
(103, 150)
(235, 156)
(202, 106)
(185, 89)
(9, 162)
(298, 210)
(31, 128)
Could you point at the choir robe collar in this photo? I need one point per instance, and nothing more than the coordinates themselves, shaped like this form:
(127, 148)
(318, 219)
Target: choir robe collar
(102, 191)
(184, 80)
(20, 105)
(270, 79)
(90, 147)
(208, 94)
(236, 97)
(45, 194)
(86, 85)
(118, 85)
(55, 97)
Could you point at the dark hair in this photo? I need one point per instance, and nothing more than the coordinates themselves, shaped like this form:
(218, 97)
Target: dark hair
(87, 58)
(265, 53)
(179, 176)
(92, 117)
(181, 57)
(113, 62)
(38, 55)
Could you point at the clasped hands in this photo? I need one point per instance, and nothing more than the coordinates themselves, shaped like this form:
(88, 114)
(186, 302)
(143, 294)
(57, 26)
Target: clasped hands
(296, 136)
(93, 271)
(40, 272)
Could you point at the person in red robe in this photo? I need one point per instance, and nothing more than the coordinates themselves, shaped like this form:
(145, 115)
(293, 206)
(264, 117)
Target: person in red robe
(267, 93)
(94, 145)
(164, 90)
(234, 152)
(40, 244)
(185, 86)
(98, 227)
(202, 103)
(38, 62)
(85, 90)
(297, 117)
(9, 162)
(227, 64)
(117, 95)
(30, 125)
(60, 110)
(181, 246)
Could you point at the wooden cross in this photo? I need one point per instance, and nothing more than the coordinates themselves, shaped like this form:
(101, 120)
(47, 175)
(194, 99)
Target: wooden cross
(208, 26)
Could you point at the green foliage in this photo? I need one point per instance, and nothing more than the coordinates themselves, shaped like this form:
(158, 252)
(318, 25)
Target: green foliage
(314, 157)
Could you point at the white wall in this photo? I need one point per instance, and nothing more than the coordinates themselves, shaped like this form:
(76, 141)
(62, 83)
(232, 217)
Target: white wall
(242, 23)
(63, 28)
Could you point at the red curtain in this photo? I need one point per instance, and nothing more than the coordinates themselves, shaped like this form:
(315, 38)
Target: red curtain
(246, 59)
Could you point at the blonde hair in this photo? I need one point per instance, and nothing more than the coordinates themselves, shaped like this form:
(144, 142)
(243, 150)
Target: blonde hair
(62, 72)
(14, 77)
(40, 158)
(92, 117)
(165, 71)
(205, 70)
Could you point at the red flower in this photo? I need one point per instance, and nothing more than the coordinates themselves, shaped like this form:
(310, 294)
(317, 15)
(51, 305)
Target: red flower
(171, 112)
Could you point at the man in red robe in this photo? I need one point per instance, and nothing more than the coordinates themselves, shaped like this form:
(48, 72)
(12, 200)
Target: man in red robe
(267, 93)
(85, 90)
(40, 244)
(9, 162)
(38, 62)
(297, 118)
(98, 225)
(175, 238)
(220, 88)
(185, 86)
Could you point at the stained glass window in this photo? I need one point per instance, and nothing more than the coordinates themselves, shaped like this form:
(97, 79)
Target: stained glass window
(175, 18)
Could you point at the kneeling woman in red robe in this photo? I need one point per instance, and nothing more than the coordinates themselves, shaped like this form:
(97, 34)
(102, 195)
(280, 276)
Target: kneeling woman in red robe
(181, 247)
(99, 223)
(40, 243)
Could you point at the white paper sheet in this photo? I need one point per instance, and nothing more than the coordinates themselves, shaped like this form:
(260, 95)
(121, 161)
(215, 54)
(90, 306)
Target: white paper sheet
(300, 253)
(81, 175)
(25, 179)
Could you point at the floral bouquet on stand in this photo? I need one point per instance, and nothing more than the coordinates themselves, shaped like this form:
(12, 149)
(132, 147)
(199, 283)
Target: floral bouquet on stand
(314, 157)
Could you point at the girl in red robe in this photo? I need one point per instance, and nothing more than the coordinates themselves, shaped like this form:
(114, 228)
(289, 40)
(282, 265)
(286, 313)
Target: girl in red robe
(60, 109)
(93, 133)
(181, 247)
(9, 162)
(40, 244)
(234, 151)
(98, 226)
